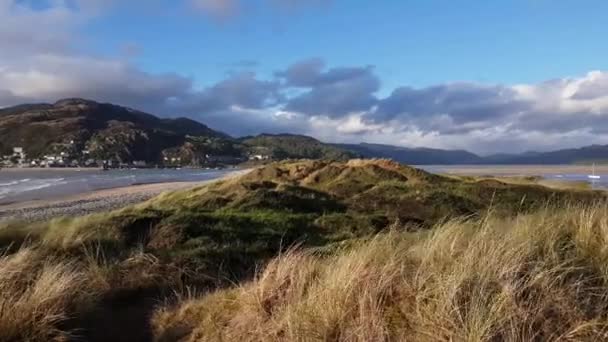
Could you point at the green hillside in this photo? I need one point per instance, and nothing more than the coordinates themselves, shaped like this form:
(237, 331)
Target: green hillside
(289, 146)
(106, 131)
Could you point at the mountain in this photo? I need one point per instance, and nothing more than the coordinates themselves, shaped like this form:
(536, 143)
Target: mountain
(413, 156)
(83, 129)
(104, 131)
(586, 154)
(291, 146)
(428, 156)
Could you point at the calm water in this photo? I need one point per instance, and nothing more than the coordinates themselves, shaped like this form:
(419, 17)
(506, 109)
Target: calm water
(25, 185)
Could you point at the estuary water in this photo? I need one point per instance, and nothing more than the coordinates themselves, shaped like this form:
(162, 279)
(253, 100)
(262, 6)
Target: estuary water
(17, 185)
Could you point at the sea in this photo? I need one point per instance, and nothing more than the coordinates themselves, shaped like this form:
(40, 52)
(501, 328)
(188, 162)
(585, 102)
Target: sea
(39, 184)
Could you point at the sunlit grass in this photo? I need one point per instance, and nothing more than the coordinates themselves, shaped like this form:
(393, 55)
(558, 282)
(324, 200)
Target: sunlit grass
(537, 277)
(37, 294)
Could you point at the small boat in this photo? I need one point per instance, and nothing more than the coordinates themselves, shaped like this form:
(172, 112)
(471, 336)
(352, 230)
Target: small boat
(593, 175)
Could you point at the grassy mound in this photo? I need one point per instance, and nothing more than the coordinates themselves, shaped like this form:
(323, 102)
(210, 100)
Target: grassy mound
(215, 235)
(227, 228)
(541, 277)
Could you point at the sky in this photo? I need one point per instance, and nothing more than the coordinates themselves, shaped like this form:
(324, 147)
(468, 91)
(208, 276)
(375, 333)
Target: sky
(486, 76)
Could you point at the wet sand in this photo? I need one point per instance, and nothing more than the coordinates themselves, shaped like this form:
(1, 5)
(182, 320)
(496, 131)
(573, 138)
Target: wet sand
(95, 201)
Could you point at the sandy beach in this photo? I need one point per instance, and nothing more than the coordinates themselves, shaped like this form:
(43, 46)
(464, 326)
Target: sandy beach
(95, 201)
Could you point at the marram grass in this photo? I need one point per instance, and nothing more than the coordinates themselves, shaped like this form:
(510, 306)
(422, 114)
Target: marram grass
(536, 277)
(540, 277)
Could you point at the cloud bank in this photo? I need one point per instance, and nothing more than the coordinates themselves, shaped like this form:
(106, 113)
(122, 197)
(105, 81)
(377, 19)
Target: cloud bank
(334, 103)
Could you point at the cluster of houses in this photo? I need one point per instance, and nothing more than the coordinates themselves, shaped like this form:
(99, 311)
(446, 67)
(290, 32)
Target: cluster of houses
(61, 159)
(258, 157)
(66, 159)
(205, 160)
(17, 158)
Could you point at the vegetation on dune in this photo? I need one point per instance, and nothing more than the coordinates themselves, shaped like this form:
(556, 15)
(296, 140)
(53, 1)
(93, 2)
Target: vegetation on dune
(229, 227)
(82, 294)
(296, 198)
(36, 295)
(540, 277)
(218, 235)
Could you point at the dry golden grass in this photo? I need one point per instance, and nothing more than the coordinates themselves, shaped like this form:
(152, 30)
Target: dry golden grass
(36, 296)
(542, 277)
(48, 297)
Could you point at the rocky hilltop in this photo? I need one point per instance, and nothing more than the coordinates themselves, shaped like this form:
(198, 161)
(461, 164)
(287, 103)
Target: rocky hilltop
(87, 129)
(80, 131)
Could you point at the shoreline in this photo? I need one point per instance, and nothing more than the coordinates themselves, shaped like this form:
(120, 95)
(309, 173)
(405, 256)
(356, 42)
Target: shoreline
(97, 200)
(49, 169)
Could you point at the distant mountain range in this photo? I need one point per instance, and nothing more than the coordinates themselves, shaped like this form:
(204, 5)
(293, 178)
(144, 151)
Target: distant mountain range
(586, 154)
(85, 129)
(428, 156)
(413, 156)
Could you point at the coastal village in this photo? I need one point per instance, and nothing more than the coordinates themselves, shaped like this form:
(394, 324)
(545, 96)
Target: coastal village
(19, 159)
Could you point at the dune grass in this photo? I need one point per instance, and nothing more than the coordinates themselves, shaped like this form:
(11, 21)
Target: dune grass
(540, 277)
(83, 296)
(37, 295)
(532, 277)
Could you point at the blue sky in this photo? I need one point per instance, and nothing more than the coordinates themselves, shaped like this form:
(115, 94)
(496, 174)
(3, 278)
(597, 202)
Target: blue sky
(489, 76)
(410, 42)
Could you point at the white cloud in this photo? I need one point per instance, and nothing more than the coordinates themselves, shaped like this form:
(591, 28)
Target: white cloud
(26, 31)
(350, 125)
(49, 77)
